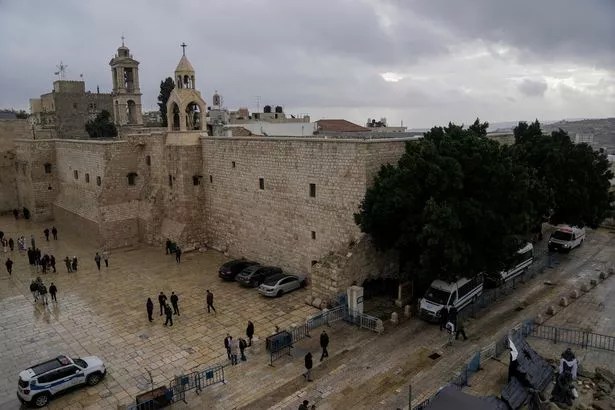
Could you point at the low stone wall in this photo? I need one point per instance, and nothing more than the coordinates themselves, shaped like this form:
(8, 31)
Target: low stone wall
(76, 225)
(333, 274)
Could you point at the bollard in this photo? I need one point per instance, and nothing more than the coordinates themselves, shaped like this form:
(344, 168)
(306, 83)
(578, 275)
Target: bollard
(593, 283)
(574, 294)
(550, 310)
(407, 311)
(602, 275)
(394, 318)
(539, 319)
(584, 288)
(563, 302)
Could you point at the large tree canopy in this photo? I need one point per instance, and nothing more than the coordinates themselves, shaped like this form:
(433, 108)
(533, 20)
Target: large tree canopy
(455, 205)
(166, 87)
(101, 126)
(458, 204)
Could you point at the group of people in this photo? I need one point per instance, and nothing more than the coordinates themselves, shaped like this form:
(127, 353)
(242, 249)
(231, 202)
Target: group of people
(453, 324)
(172, 308)
(236, 347)
(307, 359)
(39, 291)
(172, 247)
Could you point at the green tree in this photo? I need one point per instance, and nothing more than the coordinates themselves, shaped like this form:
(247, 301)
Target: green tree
(166, 87)
(101, 126)
(570, 182)
(453, 206)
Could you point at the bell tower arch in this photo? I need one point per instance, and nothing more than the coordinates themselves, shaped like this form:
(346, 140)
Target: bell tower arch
(126, 92)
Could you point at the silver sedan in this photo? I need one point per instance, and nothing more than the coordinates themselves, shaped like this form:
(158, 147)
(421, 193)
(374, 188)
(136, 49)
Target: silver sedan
(279, 284)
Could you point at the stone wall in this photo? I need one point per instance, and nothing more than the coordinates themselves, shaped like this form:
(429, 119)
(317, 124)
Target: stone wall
(10, 130)
(351, 265)
(282, 224)
(36, 168)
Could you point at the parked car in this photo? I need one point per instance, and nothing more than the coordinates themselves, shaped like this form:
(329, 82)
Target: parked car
(254, 275)
(230, 269)
(278, 284)
(40, 382)
(565, 238)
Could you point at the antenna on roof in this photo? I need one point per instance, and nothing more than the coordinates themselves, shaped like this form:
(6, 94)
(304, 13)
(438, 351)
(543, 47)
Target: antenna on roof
(61, 73)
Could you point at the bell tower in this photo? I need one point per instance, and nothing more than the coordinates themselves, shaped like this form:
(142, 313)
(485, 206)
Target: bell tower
(126, 92)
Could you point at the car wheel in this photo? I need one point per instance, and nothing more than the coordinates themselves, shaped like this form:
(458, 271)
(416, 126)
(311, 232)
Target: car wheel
(93, 379)
(280, 293)
(41, 400)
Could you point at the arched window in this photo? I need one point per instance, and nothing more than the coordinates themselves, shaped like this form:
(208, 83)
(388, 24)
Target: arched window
(131, 112)
(87, 178)
(98, 181)
(132, 178)
(47, 168)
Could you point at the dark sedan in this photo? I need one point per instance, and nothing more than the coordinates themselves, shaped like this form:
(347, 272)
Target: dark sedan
(254, 275)
(230, 269)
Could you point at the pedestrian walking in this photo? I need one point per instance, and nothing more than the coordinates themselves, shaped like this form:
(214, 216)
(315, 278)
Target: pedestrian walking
(31, 256)
(54, 232)
(9, 266)
(75, 262)
(324, 342)
(210, 301)
(443, 317)
(11, 244)
(460, 329)
(150, 309)
(42, 291)
(169, 313)
(32, 241)
(452, 314)
(97, 260)
(227, 345)
(46, 232)
(16, 213)
(178, 254)
(52, 262)
(162, 300)
(52, 291)
(105, 256)
(250, 332)
(34, 290)
(242, 347)
(450, 327)
(234, 351)
(174, 300)
(308, 367)
(304, 405)
(69, 266)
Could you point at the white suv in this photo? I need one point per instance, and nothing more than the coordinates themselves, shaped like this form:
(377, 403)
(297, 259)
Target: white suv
(38, 383)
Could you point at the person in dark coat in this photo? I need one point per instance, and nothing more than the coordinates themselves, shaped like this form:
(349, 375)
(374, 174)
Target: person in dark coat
(52, 291)
(169, 314)
(52, 263)
(250, 332)
(16, 213)
(304, 405)
(168, 246)
(210, 301)
(452, 314)
(308, 366)
(150, 309)
(460, 329)
(443, 317)
(162, 300)
(42, 291)
(9, 266)
(46, 232)
(54, 232)
(97, 259)
(34, 290)
(324, 342)
(174, 300)
(31, 256)
(69, 266)
(178, 254)
(242, 346)
(227, 345)
(75, 262)
(11, 244)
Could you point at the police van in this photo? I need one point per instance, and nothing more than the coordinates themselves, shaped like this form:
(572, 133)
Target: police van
(524, 257)
(565, 238)
(446, 294)
(39, 383)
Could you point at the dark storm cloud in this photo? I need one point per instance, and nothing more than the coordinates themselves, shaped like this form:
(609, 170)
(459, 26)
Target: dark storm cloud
(533, 88)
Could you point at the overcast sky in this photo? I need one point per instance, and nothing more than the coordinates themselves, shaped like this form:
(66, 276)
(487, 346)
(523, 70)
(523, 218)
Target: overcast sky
(423, 62)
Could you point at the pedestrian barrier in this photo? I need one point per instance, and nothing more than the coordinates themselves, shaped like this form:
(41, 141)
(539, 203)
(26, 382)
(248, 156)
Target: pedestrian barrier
(195, 381)
(279, 344)
(365, 321)
(578, 337)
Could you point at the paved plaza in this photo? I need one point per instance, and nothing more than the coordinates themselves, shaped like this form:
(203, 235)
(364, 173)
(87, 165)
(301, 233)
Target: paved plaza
(103, 314)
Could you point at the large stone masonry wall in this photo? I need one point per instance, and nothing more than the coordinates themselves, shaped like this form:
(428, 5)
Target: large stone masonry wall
(10, 130)
(275, 224)
(36, 188)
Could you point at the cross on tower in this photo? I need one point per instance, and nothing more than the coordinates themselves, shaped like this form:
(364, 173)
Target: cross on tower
(183, 46)
(123, 38)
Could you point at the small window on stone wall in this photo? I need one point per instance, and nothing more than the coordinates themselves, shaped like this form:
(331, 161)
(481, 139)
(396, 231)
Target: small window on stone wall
(170, 180)
(76, 174)
(148, 160)
(75, 105)
(233, 163)
(196, 180)
(87, 178)
(47, 168)
(261, 183)
(313, 234)
(132, 178)
(211, 179)
(98, 181)
(313, 190)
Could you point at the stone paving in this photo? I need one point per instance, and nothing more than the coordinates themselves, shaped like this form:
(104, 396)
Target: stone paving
(103, 314)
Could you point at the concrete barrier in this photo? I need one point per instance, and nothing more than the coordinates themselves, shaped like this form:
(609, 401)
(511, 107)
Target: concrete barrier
(574, 294)
(551, 310)
(563, 301)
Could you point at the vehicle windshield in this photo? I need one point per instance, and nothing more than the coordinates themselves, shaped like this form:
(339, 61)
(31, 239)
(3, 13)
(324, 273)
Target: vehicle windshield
(80, 362)
(437, 296)
(272, 280)
(562, 236)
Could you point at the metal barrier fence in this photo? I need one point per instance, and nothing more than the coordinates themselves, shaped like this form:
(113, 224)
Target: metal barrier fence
(577, 337)
(365, 321)
(195, 381)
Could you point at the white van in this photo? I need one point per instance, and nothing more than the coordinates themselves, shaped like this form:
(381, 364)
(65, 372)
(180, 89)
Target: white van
(443, 294)
(523, 259)
(565, 238)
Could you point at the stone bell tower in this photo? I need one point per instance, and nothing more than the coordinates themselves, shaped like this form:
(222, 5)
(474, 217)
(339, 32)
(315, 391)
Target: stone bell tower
(126, 93)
